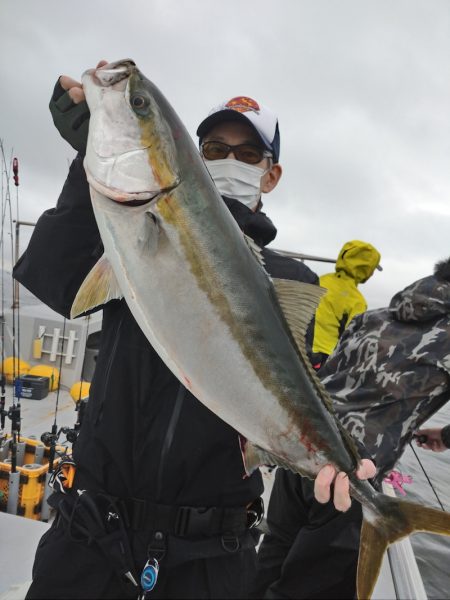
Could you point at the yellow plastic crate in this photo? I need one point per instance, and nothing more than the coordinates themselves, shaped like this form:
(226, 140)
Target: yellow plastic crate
(32, 480)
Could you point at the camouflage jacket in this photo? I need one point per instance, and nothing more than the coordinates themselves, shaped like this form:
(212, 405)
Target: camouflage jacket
(391, 369)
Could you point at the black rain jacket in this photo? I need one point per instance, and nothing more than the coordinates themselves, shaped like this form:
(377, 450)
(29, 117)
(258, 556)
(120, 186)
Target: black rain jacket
(143, 436)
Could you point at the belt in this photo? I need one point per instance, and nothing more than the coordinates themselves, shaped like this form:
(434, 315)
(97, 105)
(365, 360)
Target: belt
(190, 521)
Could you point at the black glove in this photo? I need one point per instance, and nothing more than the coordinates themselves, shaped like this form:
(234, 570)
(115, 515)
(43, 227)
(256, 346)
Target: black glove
(70, 119)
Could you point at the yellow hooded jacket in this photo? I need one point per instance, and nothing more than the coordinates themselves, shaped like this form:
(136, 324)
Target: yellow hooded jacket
(355, 264)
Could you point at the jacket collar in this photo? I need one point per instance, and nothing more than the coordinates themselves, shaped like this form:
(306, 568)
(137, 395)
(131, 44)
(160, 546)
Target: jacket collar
(256, 225)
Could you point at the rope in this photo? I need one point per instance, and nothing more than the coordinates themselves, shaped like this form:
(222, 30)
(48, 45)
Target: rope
(426, 475)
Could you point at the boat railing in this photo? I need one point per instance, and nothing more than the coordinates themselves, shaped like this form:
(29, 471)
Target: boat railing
(400, 576)
(301, 256)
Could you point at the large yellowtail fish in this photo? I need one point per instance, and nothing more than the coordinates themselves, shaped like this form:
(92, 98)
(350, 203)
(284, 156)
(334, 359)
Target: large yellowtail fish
(199, 291)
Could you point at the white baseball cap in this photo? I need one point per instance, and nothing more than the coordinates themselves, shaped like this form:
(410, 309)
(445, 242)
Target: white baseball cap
(243, 108)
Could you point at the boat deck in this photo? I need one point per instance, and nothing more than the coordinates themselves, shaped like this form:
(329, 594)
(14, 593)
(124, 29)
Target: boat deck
(38, 416)
(20, 536)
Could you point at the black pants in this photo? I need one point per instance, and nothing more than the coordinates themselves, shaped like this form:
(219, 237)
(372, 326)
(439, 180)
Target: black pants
(191, 569)
(312, 550)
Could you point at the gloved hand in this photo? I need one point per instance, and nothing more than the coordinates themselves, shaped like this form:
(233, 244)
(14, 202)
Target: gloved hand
(71, 118)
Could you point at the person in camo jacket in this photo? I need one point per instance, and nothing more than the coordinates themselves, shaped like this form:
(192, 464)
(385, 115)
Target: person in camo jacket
(388, 374)
(391, 369)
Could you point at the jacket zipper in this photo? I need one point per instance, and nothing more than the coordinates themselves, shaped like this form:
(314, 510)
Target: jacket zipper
(108, 369)
(168, 439)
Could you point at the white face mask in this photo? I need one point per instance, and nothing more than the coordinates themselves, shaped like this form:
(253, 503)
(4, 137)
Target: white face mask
(238, 180)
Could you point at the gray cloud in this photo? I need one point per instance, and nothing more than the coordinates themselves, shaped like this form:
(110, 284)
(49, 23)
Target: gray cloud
(362, 90)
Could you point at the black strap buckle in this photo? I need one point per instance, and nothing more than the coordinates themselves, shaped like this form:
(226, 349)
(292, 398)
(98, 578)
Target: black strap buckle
(193, 521)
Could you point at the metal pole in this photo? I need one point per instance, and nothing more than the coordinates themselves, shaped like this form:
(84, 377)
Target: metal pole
(16, 258)
(302, 257)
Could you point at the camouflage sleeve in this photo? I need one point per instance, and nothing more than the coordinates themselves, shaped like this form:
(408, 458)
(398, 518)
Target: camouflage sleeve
(386, 378)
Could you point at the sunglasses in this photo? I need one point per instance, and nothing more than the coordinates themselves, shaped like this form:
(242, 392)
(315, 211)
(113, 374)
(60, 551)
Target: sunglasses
(247, 153)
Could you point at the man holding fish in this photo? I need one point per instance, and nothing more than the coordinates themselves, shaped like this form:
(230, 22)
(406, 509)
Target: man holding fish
(198, 343)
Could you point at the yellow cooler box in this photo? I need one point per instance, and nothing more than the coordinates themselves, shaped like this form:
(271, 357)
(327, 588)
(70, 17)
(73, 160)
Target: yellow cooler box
(32, 477)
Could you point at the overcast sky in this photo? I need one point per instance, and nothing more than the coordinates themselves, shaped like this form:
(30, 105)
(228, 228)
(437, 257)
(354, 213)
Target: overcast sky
(361, 89)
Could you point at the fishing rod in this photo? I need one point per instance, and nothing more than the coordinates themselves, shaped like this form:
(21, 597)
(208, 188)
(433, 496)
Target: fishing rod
(50, 439)
(71, 433)
(54, 426)
(16, 417)
(6, 203)
(17, 391)
(14, 412)
(423, 439)
(2, 377)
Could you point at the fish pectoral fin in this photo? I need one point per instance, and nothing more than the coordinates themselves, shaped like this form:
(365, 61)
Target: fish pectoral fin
(254, 457)
(99, 287)
(148, 239)
(397, 519)
(256, 250)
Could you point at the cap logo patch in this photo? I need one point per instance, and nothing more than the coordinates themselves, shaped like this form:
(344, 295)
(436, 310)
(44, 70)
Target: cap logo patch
(243, 104)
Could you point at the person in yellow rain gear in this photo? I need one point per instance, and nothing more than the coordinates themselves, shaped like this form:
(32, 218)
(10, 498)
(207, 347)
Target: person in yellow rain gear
(355, 264)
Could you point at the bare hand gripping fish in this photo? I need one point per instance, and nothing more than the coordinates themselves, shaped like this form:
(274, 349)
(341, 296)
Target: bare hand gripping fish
(199, 291)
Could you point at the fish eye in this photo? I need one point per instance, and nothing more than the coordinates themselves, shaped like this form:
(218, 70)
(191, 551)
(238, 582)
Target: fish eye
(139, 102)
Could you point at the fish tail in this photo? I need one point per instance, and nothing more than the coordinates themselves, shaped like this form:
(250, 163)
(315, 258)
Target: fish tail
(392, 520)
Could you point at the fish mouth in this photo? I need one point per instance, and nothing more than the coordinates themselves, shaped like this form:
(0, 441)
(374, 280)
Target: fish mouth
(128, 198)
(152, 199)
(112, 73)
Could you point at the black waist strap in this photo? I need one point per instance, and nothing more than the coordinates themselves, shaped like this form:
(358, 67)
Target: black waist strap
(185, 521)
(138, 514)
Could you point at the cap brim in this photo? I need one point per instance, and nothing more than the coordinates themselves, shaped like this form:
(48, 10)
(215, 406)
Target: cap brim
(222, 116)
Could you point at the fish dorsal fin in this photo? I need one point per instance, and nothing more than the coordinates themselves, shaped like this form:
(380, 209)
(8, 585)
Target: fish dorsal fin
(256, 250)
(298, 302)
(99, 287)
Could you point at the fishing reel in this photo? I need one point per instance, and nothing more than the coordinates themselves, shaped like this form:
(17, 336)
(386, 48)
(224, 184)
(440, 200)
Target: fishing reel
(50, 438)
(13, 414)
(70, 433)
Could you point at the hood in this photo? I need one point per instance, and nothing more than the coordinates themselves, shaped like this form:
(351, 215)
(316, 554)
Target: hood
(358, 259)
(426, 299)
(256, 225)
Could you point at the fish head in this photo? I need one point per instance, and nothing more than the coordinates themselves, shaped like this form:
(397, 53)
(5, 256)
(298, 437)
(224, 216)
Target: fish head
(130, 153)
